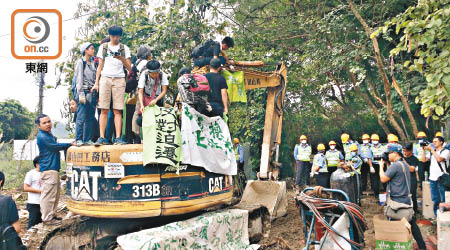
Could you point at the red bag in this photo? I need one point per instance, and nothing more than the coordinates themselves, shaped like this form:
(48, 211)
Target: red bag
(198, 83)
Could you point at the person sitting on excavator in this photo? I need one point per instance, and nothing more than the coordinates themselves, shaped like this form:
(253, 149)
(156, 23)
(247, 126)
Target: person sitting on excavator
(203, 53)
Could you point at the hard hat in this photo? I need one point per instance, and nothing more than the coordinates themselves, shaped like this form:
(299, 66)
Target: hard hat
(421, 134)
(303, 137)
(375, 137)
(438, 134)
(392, 138)
(235, 140)
(332, 143)
(353, 147)
(320, 147)
(345, 137)
(365, 137)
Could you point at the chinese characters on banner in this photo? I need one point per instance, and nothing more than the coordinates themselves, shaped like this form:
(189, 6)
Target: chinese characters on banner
(206, 142)
(161, 134)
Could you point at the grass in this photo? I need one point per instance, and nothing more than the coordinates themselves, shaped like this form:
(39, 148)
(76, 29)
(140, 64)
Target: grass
(14, 170)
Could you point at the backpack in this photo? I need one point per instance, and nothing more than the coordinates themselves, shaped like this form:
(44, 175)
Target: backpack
(194, 90)
(74, 78)
(133, 78)
(9, 239)
(200, 49)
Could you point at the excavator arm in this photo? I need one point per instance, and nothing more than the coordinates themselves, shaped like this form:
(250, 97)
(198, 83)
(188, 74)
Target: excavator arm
(275, 82)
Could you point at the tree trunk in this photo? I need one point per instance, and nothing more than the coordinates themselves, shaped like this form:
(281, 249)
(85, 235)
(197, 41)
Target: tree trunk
(406, 106)
(386, 82)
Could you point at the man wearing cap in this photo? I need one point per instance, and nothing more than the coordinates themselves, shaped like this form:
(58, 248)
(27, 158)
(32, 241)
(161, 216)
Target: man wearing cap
(333, 156)
(302, 156)
(152, 86)
(319, 167)
(418, 152)
(110, 82)
(399, 184)
(218, 96)
(367, 167)
(84, 74)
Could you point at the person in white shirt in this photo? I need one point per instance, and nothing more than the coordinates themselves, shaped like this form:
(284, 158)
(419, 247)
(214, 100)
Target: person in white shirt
(32, 185)
(110, 82)
(152, 86)
(438, 165)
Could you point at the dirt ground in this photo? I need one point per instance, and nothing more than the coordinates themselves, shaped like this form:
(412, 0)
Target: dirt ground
(287, 232)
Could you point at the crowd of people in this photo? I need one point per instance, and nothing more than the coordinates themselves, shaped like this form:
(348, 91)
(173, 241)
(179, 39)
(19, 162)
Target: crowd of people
(120, 90)
(395, 168)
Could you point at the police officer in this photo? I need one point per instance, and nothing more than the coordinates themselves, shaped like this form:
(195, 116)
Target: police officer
(424, 163)
(353, 165)
(367, 157)
(377, 150)
(333, 156)
(346, 143)
(302, 155)
(319, 168)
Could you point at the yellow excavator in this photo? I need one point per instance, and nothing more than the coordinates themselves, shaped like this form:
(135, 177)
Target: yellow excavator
(110, 192)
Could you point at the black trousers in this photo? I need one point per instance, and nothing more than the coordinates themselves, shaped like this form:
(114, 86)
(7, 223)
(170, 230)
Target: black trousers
(129, 136)
(375, 180)
(323, 179)
(34, 214)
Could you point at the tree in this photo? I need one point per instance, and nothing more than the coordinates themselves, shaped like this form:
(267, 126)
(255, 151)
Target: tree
(16, 121)
(424, 31)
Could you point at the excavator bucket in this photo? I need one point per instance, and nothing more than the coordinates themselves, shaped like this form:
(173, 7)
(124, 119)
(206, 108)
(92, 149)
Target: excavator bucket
(268, 194)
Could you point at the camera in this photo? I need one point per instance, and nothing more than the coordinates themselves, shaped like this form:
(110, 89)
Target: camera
(117, 53)
(385, 156)
(424, 142)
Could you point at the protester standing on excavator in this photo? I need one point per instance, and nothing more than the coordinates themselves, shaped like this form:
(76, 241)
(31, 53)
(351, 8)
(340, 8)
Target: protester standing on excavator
(203, 53)
(302, 155)
(319, 167)
(110, 82)
(218, 96)
(333, 156)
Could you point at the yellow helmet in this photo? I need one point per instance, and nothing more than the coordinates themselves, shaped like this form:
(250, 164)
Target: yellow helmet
(353, 147)
(303, 137)
(375, 137)
(365, 137)
(320, 147)
(438, 134)
(332, 143)
(392, 138)
(345, 137)
(421, 134)
(235, 140)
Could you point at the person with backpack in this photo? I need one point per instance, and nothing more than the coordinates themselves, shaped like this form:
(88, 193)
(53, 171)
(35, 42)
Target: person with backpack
(9, 221)
(438, 168)
(203, 53)
(85, 72)
(218, 96)
(143, 55)
(114, 57)
(152, 86)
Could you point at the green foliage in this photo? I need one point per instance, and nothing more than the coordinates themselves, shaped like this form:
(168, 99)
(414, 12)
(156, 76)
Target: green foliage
(10, 167)
(424, 31)
(16, 121)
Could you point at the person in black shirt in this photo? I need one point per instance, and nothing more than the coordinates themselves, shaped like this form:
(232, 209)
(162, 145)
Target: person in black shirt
(413, 163)
(217, 97)
(210, 49)
(8, 209)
